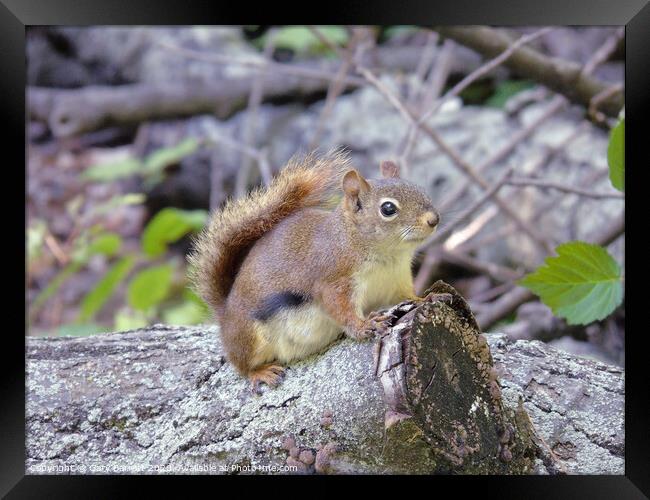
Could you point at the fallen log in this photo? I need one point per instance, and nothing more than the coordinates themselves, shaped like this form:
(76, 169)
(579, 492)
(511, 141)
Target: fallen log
(70, 112)
(425, 397)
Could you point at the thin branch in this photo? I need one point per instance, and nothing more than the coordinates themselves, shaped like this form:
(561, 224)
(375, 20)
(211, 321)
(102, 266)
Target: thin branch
(556, 104)
(593, 177)
(544, 184)
(509, 228)
(424, 65)
(434, 86)
(484, 69)
(478, 203)
(604, 52)
(254, 101)
(564, 77)
(469, 231)
(336, 86)
(494, 271)
(55, 248)
(386, 92)
(509, 302)
(287, 69)
(461, 164)
(326, 41)
(492, 293)
(478, 179)
(598, 99)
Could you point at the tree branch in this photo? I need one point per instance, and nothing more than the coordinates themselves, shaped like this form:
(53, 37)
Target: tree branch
(564, 77)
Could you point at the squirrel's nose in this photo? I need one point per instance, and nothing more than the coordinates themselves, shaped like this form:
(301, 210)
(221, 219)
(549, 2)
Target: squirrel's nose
(432, 219)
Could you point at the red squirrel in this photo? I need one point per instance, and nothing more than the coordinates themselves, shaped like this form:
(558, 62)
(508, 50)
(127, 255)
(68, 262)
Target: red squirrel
(286, 269)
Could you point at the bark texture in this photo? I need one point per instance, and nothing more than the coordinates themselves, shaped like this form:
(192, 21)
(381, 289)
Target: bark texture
(431, 395)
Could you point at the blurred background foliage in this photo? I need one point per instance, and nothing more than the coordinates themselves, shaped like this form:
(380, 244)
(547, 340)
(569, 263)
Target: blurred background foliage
(109, 223)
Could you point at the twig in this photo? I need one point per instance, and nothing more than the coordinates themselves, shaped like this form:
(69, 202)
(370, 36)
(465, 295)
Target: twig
(598, 99)
(336, 86)
(56, 249)
(434, 86)
(288, 69)
(424, 65)
(216, 181)
(494, 271)
(509, 228)
(604, 51)
(261, 156)
(254, 101)
(386, 92)
(483, 70)
(556, 104)
(564, 77)
(326, 41)
(486, 296)
(478, 179)
(461, 164)
(473, 228)
(509, 302)
(540, 183)
(426, 269)
(478, 203)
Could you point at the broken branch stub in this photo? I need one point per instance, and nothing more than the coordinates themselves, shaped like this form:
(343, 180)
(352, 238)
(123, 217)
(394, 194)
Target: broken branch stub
(441, 391)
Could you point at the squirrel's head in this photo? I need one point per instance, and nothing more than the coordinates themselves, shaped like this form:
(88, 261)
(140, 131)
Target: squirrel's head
(391, 212)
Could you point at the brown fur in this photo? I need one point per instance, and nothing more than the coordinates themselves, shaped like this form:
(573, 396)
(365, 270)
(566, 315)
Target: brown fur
(347, 261)
(233, 230)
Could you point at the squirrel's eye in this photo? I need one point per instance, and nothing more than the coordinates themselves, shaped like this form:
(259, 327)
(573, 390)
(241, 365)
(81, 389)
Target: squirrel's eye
(388, 208)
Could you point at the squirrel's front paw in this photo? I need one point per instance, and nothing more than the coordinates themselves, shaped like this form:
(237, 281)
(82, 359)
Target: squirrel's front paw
(375, 324)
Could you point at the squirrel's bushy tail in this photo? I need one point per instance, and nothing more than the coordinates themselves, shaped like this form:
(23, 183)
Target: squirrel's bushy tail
(220, 248)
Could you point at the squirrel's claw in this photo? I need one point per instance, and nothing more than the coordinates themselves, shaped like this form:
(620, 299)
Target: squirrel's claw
(269, 374)
(375, 323)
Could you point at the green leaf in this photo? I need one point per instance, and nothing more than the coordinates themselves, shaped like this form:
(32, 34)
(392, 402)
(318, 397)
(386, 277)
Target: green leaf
(127, 319)
(582, 284)
(399, 30)
(301, 40)
(119, 201)
(103, 290)
(107, 244)
(616, 156)
(35, 239)
(150, 286)
(164, 157)
(168, 226)
(191, 295)
(107, 172)
(186, 313)
(79, 330)
(505, 90)
(53, 286)
(152, 164)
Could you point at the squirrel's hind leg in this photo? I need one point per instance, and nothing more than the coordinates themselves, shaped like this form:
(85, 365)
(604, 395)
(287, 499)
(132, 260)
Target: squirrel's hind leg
(250, 353)
(271, 374)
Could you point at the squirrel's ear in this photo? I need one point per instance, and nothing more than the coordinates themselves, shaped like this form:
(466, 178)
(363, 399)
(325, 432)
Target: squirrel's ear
(353, 185)
(389, 169)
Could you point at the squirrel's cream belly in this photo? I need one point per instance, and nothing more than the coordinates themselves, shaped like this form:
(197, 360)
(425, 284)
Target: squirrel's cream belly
(380, 285)
(296, 333)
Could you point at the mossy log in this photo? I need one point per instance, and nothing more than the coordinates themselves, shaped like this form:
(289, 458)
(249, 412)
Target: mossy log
(430, 395)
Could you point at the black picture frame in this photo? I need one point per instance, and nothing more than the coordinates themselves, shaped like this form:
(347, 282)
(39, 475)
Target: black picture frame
(15, 15)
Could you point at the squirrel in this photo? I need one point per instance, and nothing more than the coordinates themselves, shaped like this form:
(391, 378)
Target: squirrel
(287, 269)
